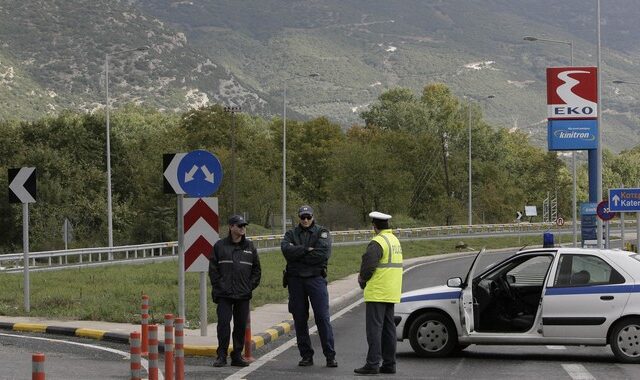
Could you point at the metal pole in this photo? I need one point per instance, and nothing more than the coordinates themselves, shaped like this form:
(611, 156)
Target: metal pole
(233, 158)
(470, 194)
(181, 307)
(284, 161)
(574, 213)
(25, 249)
(600, 127)
(107, 109)
(621, 224)
(203, 303)
(109, 206)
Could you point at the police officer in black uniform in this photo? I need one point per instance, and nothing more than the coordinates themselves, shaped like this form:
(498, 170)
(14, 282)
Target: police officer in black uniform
(307, 249)
(234, 271)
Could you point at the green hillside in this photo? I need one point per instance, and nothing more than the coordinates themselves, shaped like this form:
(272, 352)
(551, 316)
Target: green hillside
(242, 53)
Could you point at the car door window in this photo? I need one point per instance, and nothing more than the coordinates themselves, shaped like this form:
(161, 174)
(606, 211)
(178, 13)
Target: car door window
(531, 272)
(585, 270)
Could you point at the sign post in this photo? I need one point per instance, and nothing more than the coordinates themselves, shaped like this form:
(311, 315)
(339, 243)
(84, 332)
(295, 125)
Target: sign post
(605, 214)
(197, 174)
(626, 200)
(22, 189)
(572, 113)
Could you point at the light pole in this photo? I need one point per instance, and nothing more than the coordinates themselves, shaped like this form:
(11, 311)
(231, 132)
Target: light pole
(470, 208)
(574, 213)
(108, 106)
(637, 213)
(600, 126)
(284, 150)
(233, 111)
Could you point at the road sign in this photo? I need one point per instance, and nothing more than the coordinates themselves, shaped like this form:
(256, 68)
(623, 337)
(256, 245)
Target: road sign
(518, 215)
(201, 227)
(200, 173)
(170, 163)
(604, 212)
(624, 200)
(560, 222)
(22, 185)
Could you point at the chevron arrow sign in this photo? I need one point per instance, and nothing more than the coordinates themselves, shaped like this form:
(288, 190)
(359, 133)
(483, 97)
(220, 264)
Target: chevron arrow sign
(201, 226)
(22, 185)
(170, 162)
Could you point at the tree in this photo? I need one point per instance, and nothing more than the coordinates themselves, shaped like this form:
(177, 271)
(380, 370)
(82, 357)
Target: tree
(366, 176)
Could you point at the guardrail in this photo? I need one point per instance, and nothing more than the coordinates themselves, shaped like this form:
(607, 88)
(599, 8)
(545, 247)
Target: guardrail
(88, 255)
(61, 258)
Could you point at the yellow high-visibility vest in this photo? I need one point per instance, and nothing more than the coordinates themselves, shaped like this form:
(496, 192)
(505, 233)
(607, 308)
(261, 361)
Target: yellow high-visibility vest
(386, 283)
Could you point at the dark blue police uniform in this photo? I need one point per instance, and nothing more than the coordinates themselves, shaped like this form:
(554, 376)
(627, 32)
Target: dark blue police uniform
(307, 251)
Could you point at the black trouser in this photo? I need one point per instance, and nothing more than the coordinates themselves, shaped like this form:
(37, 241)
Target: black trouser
(303, 290)
(381, 334)
(239, 309)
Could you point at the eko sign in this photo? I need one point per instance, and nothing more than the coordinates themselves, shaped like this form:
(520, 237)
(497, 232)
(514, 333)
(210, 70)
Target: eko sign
(572, 106)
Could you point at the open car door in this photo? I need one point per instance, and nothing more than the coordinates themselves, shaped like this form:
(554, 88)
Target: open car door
(468, 302)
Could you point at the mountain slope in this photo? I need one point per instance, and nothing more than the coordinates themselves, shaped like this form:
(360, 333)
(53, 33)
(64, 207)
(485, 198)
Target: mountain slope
(244, 53)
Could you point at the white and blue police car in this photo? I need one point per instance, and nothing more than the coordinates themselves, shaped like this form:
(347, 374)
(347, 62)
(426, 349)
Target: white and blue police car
(546, 296)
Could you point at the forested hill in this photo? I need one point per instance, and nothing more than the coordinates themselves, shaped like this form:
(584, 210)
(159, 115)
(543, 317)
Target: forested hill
(231, 52)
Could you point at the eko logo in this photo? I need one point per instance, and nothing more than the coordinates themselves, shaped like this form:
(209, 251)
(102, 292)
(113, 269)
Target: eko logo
(572, 92)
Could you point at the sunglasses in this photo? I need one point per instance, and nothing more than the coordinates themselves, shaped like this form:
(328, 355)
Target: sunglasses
(307, 217)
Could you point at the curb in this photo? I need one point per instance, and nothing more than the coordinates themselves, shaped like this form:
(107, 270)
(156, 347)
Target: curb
(67, 331)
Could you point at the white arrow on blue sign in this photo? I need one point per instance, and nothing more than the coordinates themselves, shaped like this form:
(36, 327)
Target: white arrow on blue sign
(624, 200)
(199, 173)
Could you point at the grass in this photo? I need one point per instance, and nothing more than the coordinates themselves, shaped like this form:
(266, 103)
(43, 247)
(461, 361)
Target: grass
(113, 293)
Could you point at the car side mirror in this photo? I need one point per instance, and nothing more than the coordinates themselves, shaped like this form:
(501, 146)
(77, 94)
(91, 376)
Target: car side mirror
(511, 279)
(455, 282)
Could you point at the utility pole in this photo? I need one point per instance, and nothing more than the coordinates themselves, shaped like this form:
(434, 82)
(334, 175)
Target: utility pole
(233, 110)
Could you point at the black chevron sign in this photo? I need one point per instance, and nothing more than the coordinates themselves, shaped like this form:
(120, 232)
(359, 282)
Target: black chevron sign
(22, 185)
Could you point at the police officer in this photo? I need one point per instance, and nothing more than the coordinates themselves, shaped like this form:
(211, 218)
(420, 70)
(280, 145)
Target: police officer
(307, 249)
(234, 271)
(381, 278)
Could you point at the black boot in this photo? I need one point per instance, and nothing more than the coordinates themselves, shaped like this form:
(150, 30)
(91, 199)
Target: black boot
(221, 361)
(366, 370)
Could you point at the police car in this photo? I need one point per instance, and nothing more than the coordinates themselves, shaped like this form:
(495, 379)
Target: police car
(547, 296)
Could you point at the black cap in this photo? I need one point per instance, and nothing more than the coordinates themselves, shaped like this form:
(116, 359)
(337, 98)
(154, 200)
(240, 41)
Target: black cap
(305, 210)
(237, 220)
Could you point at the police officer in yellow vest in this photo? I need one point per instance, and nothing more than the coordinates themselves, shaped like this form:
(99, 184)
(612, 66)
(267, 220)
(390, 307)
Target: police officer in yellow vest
(381, 278)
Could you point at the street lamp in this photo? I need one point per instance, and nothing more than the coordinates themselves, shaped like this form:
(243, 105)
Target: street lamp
(284, 150)
(638, 213)
(574, 213)
(470, 216)
(233, 111)
(108, 106)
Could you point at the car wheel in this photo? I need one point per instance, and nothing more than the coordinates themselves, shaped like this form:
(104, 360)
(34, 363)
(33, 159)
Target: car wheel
(625, 340)
(433, 335)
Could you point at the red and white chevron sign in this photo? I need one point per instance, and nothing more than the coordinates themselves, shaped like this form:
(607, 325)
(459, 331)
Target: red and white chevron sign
(201, 226)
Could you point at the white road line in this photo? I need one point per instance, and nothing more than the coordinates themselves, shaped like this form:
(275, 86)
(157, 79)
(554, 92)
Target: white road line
(272, 354)
(578, 372)
(126, 355)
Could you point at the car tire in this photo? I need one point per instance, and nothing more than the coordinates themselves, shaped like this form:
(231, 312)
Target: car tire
(625, 340)
(433, 335)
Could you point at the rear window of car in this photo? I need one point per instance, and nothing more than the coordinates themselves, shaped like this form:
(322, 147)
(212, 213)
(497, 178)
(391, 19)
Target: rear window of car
(585, 270)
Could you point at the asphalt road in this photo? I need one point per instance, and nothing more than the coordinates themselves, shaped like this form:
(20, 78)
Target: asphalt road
(476, 362)
(101, 360)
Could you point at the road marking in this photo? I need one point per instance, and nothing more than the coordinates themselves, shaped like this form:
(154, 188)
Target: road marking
(272, 354)
(126, 355)
(556, 347)
(578, 372)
